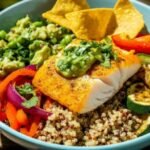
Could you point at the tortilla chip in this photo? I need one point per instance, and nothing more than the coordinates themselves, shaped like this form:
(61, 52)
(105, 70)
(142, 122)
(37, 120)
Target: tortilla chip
(61, 8)
(66, 6)
(91, 23)
(112, 25)
(56, 19)
(129, 19)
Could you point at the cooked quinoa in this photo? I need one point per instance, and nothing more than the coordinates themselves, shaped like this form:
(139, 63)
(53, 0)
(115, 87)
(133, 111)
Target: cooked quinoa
(111, 123)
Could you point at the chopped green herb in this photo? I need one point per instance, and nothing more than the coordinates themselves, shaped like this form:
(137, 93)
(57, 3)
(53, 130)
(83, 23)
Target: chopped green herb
(106, 62)
(25, 89)
(77, 60)
(32, 102)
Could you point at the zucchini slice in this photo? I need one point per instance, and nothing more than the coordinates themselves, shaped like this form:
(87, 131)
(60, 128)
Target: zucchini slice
(135, 88)
(147, 75)
(139, 102)
(138, 98)
(145, 58)
(145, 127)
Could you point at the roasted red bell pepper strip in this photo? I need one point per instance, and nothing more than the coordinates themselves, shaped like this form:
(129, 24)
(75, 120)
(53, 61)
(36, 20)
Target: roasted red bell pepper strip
(2, 116)
(11, 112)
(144, 38)
(140, 44)
(18, 118)
(12, 77)
(33, 128)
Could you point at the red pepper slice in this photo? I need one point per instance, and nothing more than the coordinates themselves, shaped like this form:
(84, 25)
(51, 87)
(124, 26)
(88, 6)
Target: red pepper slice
(140, 44)
(2, 116)
(12, 77)
(4, 83)
(145, 38)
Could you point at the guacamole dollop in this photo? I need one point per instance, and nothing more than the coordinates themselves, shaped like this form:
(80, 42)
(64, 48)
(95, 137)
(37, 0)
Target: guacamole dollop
(76, 60)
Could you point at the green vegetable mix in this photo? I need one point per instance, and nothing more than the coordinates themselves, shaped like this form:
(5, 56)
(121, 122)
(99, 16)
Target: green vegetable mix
(30, 43)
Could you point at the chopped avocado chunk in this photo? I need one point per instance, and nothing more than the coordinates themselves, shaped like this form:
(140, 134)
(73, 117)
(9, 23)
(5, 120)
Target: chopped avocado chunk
(2, 34)
(2, 43)
(41, 55)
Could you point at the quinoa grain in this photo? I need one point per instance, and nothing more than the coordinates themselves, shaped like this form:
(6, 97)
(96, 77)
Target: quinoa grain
(109, 124)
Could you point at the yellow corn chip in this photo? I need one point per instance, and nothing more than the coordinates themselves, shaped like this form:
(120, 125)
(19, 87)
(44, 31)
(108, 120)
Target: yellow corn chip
(62, 7)
(66, 6)
(129, 19)
(91, 23)
(56, 19)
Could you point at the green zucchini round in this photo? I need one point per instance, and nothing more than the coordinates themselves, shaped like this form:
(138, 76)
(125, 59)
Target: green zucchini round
(139, 107)
(145, 127)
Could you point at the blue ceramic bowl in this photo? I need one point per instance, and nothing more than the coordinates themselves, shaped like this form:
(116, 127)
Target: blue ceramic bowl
(34, 8)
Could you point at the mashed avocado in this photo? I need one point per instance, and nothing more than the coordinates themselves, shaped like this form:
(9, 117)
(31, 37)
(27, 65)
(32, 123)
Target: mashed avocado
(77, 60)
(30, 42)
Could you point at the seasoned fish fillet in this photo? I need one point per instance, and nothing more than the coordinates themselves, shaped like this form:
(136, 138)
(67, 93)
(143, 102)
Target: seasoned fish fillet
(87, 92)
(108, 75)
(79, 95)
(128, 63)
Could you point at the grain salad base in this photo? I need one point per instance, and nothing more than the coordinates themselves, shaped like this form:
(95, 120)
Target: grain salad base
(110, 123)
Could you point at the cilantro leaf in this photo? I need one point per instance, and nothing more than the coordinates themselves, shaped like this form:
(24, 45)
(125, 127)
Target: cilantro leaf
(106, 62)
(25, 89)
(31, 102)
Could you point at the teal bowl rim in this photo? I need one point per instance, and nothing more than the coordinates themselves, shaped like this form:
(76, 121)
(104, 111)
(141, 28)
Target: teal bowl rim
(37, 142)
(12, 132)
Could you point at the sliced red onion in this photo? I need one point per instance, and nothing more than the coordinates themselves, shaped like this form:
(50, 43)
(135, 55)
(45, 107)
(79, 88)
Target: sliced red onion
(31, 67)
(16, 99)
